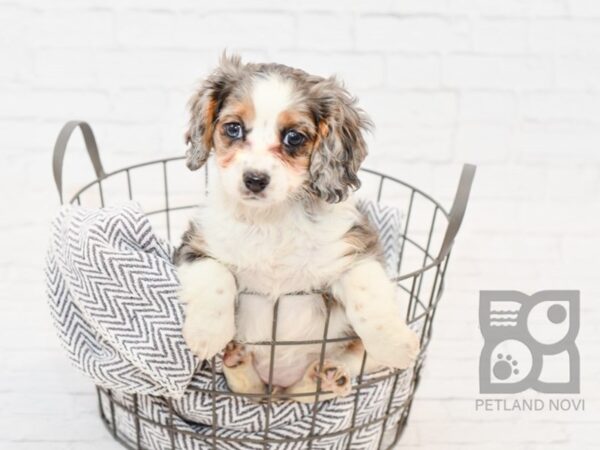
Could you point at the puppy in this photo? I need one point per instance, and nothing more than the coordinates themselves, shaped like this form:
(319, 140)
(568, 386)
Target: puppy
(287, 147)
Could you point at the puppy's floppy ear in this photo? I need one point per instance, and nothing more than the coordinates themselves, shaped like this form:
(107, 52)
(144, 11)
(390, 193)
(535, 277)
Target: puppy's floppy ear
(204, 109)
(340, 147)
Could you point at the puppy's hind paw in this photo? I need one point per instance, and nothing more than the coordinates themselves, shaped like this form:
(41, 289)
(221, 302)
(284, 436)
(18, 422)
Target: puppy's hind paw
(334, 377)
(235, 355)
(240, 372)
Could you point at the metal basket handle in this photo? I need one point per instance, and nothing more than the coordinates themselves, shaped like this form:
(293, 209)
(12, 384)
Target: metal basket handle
(457, 212)
(61, 146)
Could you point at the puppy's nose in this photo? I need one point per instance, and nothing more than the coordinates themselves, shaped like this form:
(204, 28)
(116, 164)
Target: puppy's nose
(256, 181)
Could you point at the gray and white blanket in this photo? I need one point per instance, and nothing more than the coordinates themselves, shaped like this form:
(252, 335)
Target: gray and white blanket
(112, 290)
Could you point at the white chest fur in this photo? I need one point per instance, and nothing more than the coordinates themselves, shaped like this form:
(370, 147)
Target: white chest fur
(288, 251)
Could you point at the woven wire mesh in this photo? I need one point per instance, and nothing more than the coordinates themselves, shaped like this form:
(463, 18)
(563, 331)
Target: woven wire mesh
(169, 194)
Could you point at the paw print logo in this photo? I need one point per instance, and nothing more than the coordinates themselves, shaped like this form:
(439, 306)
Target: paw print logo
(529, 342)
(505, 367)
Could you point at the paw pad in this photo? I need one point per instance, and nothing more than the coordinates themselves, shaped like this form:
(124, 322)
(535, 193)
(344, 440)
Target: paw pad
(234, 355)
(333, 377)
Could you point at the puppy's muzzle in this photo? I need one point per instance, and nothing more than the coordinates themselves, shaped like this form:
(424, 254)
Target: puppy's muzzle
(256, 181)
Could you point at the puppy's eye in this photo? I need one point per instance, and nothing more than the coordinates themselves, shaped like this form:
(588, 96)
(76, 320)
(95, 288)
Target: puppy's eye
(293, 139)
(234, 130)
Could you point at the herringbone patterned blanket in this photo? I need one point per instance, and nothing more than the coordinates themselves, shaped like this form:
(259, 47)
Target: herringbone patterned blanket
(112, 291)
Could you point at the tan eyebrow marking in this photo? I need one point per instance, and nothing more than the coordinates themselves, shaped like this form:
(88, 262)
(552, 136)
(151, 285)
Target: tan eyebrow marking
(297, 120)
(239, 110)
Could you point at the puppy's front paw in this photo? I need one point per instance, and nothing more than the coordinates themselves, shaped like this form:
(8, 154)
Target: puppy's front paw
(397, 346)
(408, 349)
(207, 332)
(208, 290)
(203, 344)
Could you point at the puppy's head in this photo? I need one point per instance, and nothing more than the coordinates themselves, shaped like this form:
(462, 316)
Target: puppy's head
(277, 133)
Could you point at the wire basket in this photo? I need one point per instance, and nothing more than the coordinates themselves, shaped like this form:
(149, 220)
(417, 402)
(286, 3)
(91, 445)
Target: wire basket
(168, 193)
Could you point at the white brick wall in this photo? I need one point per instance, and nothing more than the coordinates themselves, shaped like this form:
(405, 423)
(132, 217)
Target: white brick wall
(512, 85)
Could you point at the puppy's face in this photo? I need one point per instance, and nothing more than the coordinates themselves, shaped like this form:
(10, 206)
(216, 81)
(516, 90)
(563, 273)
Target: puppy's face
(277, 133)
(263, 139)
